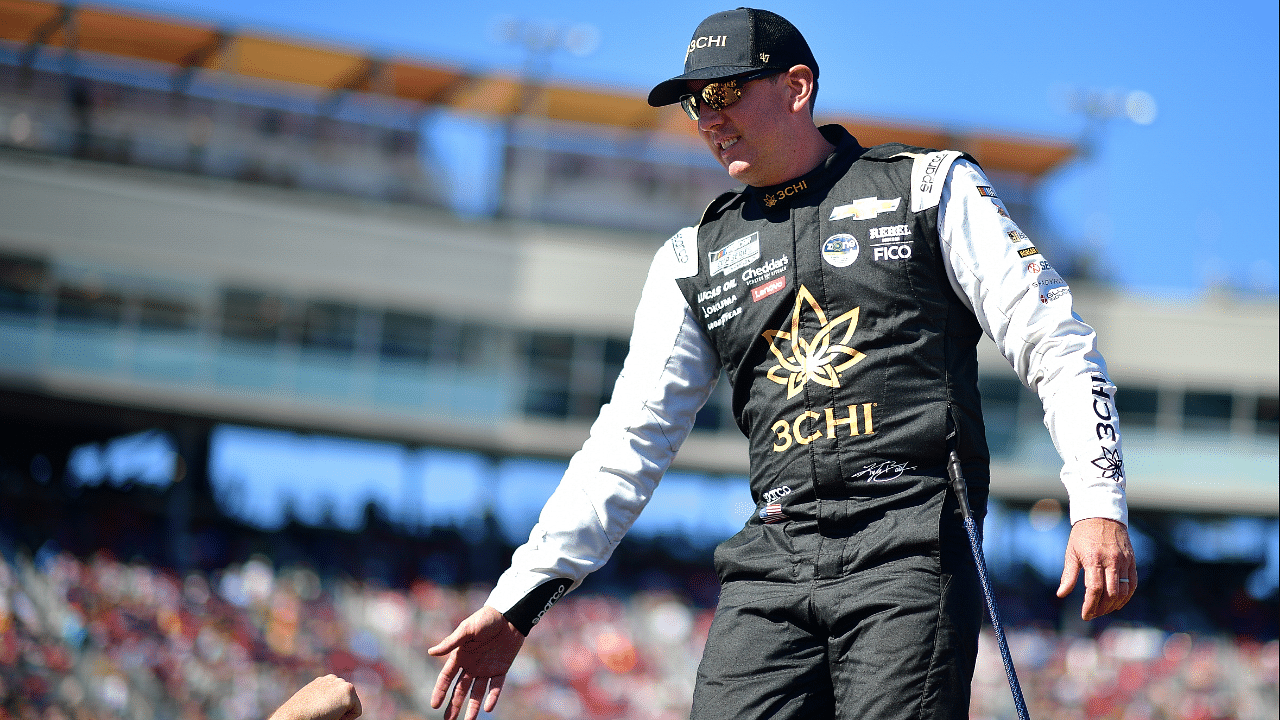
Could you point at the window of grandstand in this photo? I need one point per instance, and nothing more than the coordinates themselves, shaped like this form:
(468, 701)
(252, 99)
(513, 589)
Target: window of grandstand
(1000, 396)
(549, 372)
(1206, 410)
(252, 315)
(166, 313)
(406, 336)
(89, 304)
(1138, 405)
(570, 376)
(716, 413)
(328, 325)
(415, 337)
(615, 352)
(22, 280)
(1268, 415)
(458, 343)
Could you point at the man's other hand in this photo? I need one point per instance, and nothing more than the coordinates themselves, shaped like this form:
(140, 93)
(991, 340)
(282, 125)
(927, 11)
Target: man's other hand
(1102, 549)
(480, 651)
(325, 698)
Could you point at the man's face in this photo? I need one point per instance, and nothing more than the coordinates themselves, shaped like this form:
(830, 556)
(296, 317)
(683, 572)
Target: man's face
(749, 137)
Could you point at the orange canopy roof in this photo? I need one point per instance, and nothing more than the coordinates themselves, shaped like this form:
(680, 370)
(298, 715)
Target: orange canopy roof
(188, 46)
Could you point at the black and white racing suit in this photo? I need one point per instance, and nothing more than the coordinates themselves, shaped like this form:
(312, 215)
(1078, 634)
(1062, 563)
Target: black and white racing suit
(845, 307)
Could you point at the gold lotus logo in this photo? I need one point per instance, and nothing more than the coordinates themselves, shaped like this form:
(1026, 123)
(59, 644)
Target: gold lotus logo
(821, 358)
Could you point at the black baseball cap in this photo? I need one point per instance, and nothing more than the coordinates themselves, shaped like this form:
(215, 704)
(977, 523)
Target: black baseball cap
(735, 42)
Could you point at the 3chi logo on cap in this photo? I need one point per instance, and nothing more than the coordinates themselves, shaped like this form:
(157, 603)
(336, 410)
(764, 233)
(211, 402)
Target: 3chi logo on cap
(736, 42)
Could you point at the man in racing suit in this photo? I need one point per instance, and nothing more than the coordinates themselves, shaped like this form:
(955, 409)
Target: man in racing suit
(843, 291)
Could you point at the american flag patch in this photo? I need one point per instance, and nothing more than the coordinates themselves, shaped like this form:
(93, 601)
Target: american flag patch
(772, 513)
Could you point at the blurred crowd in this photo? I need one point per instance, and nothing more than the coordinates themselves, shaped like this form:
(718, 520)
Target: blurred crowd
(100, 639)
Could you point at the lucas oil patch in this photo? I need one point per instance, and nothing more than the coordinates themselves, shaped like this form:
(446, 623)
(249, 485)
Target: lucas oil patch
(840, 250)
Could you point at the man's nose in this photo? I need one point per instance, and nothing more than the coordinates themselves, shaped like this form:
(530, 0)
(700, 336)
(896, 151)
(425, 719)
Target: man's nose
(708, 119)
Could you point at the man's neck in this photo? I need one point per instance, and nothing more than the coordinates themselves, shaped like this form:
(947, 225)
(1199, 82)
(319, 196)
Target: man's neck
(810, 150)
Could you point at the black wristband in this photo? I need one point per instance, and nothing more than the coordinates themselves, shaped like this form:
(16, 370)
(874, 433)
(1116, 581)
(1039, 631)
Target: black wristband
(526, 613)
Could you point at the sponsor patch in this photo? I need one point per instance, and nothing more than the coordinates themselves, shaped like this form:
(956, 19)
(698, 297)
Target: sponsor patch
(840, 250)
(684, 252)
(774, 198)
(777, 493)
(712, 309)
(1016, 235)
(864, 209)
(1054, 294)
(987, 191)
(928, 173)
(725, 318)
(890, 231)
(1028, 251)
(735, 255)
(1110, 465)
(891, 251)
(1036, 266)
(772, 513)
(820, 359)
(769, 288)
(751, 276)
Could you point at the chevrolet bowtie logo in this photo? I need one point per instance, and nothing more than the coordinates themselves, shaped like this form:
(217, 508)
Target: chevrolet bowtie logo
(818, 359)
(865, 209)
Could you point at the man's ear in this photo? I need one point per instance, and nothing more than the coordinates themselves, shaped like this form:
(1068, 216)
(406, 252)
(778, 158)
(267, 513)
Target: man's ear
(800, 86)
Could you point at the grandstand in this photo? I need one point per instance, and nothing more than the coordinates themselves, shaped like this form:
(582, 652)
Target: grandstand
(211, 238)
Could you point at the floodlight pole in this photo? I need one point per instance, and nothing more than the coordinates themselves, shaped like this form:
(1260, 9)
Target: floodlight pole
(539, 40)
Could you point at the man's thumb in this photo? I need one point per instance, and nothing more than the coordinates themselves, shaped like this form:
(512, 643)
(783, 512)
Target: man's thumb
(447, 645)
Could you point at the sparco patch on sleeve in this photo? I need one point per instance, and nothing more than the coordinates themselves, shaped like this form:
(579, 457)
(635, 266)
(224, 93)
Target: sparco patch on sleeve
(928, 174)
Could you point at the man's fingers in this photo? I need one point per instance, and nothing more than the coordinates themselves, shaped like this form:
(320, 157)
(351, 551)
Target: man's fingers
(460, 692)
(1127, 580)
(495, 689)
(355, 710)
(1070, 568)
(444, 680)
(1095, 593)
(1111, 582)
(477, 698)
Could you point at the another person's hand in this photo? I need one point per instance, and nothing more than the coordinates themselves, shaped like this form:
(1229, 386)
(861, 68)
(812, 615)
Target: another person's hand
(1102, 549)
(480, 651)
(325, 698)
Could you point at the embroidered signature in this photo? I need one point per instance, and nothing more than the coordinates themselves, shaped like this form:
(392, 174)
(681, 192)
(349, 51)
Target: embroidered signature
(884, 471)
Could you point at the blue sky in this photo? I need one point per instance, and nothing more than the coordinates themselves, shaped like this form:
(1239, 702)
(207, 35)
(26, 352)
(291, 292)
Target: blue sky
(1149, 203)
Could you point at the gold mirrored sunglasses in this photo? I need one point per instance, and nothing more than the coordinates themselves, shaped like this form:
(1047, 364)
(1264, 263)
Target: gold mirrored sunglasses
(720, 95)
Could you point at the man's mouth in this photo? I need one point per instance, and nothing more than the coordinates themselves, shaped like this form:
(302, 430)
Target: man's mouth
(726, 144)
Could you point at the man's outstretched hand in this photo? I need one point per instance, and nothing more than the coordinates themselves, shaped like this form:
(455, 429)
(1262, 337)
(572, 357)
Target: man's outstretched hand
(1101, 548)
(480, 651)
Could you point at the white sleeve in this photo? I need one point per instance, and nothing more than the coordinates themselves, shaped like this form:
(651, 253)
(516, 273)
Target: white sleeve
(670, 371)
(1024, 305)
